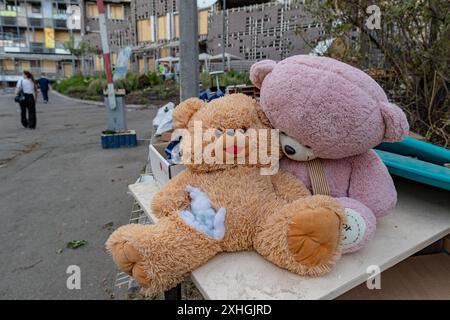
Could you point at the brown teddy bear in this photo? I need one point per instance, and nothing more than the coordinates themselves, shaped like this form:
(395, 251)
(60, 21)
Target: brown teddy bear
(214, 207)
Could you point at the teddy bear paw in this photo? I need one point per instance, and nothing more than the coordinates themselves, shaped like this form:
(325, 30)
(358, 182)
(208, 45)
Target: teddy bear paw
(127, 258)
(313, 236)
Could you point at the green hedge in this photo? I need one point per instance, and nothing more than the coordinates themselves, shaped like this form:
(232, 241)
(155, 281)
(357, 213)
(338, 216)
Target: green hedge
(229, 78)
(95, 85)
(75, 81)
(149, 82)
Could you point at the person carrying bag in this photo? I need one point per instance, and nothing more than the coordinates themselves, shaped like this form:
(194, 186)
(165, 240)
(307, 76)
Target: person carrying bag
(20, 96)
(26, 95)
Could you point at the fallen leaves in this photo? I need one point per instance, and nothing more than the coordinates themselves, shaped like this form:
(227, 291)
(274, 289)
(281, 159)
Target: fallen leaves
(108, 225)
(75, 244)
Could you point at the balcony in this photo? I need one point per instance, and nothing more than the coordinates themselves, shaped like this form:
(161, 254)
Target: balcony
(37, 47)
(59, 48)
(12, 46)
(35, 22)
(14, 73)
(61, 19)
(22, 21)
(19, 45)
(8, 21)
(60, 24)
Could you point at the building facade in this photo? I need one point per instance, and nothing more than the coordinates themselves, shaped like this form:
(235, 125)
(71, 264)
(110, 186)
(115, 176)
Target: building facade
(257, 30)
(32, 34)
(254, 30)
(120, 31)
(157, 27)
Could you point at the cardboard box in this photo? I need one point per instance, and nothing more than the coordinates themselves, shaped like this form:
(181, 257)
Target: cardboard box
(166, 136)
(162, 169)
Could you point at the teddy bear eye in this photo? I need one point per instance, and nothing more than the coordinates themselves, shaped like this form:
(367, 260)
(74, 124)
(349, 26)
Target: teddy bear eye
(218, 132)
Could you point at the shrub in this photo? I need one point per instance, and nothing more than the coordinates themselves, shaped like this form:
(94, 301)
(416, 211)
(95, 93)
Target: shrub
(205, 80)
(76, 90)
(129, 83)
(143, 81)
(75, 81)
(96, 87)
(154, 78)
(132, 80)
(231, 77)
(122, 84)
(93, 98)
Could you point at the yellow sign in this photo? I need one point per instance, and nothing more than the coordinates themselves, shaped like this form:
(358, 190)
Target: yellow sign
(49, 38)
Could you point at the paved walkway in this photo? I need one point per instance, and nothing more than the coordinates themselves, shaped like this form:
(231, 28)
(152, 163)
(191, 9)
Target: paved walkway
(56, 185)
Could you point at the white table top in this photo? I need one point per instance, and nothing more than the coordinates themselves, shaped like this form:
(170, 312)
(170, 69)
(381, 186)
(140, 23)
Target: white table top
(422, 216)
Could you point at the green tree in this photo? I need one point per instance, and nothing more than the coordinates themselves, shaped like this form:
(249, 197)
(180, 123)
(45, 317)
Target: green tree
(79, 50)
(413, 41)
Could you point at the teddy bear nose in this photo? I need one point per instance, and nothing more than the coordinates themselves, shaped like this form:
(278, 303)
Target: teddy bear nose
(289, 150)
(230, 132)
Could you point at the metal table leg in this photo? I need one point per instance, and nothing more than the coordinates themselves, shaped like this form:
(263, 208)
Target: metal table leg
(173, 294)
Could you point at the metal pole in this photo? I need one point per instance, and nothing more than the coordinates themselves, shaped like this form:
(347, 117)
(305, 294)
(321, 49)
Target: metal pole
(224, 11)
(189, 65)
(106, 54)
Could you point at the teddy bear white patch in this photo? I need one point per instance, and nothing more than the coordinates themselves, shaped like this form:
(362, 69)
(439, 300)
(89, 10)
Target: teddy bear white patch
(202, 215)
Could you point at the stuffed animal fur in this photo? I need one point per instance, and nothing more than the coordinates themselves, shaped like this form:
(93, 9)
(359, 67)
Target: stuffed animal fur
(334, 113)
(212, 208)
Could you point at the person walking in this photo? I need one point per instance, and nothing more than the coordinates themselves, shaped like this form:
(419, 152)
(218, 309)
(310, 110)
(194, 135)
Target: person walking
(27, 84)
(44, 85)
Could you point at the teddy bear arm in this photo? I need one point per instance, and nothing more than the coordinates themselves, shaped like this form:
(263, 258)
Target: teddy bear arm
(371, 184)
(173, 196)
(288, 187)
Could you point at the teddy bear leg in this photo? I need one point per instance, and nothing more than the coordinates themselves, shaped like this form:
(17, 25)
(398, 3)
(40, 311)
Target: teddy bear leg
(159, 256)
(304, 236)
(359, 227)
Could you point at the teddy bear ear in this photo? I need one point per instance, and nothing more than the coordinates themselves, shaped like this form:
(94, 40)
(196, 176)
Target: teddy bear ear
(396, 124)
(260, 70)
(184, 112)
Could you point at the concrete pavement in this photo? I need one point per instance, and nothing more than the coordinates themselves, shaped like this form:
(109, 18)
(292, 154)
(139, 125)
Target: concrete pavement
(56, 185)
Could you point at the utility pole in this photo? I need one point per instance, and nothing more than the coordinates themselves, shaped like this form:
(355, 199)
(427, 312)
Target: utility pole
(189, 65)
(224, 29)
(189, 69)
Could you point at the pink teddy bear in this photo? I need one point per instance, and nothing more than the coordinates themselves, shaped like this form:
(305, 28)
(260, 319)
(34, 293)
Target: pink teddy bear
(334, 113)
